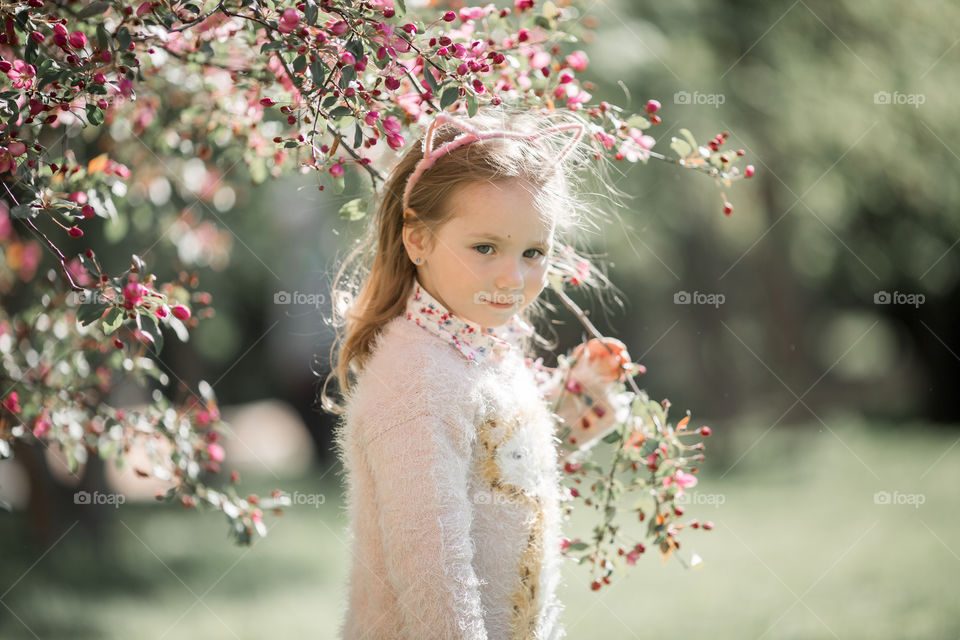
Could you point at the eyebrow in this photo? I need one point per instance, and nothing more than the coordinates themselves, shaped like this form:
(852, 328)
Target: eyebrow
(496, 238)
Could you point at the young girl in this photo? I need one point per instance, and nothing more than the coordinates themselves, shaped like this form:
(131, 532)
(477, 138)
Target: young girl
(450, 451)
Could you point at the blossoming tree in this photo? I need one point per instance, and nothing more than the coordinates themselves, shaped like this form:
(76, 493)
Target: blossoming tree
(321, 86)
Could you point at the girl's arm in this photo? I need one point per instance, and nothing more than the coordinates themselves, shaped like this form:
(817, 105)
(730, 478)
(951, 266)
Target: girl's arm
(582, 396)
(420, 468)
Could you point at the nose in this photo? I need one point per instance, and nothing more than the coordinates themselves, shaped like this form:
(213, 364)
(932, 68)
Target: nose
(510, 277)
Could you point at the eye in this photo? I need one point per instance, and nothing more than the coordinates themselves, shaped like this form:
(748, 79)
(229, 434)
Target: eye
(536, 253)
(480, 249)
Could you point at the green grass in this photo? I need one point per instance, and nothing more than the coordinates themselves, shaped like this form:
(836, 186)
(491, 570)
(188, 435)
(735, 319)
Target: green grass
(800, 550)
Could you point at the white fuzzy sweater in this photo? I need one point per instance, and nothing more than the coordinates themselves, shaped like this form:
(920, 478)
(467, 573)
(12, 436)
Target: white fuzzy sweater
(452, 484)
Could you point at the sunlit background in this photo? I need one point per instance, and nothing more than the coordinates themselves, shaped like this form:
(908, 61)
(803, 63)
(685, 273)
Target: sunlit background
(814, 330)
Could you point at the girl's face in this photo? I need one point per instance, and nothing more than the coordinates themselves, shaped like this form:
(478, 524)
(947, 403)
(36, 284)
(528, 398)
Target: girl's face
(489, 260)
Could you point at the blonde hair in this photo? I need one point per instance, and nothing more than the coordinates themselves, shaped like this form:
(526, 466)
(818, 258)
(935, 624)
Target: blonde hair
(374, 281)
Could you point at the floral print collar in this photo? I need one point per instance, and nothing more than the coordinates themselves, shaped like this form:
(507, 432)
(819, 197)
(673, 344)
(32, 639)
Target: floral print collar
(474, 342)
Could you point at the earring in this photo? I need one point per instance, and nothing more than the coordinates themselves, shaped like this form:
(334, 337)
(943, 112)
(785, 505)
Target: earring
(418, 260)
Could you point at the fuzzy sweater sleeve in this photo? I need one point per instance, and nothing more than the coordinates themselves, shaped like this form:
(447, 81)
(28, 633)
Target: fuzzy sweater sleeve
(583, 405)
(420, 466)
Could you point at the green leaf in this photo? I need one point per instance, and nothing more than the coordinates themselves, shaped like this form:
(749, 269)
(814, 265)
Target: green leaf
(613, 436)
(113, 320)
(689, 138)
(91, 312)
(274, 45)
(103, 38)
(299, 64)
(316, 70)
(401, 6)
(340, 112)
(357, 136)
(347, 74)
(431, 81)
(92, 9)
(148, 324)
(681, 147)
(310, 13)
(472, 105)
(94, 114)
(578, 546)
(638, 122)
(353, 210)
(123, 38)
(449, 96)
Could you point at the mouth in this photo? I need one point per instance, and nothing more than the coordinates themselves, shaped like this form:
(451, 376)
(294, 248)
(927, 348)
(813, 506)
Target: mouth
(501, 302)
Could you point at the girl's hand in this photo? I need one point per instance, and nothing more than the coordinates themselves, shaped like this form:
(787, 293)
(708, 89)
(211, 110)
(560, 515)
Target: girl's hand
(606, 366)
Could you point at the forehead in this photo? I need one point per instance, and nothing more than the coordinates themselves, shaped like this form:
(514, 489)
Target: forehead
(505, 208)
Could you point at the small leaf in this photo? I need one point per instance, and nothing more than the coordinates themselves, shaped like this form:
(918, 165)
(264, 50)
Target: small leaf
(472, 105)
(90, 312)
(449, 96)
(23, 211)
(353, 210)
(689, 138)
(357, 136)
(92, 9)
(94, 114)
(681, 147)
(316, 70)
(148, 324)
(299, 64)
(113, 321)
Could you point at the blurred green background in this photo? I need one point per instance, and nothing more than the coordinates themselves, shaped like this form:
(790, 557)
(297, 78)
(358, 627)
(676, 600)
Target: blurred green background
(831, 472)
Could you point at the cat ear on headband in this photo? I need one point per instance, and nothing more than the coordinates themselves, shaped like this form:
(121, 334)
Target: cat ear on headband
(472, 134)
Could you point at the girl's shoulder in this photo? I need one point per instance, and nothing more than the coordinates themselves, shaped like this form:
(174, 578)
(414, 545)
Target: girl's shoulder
(411, 370)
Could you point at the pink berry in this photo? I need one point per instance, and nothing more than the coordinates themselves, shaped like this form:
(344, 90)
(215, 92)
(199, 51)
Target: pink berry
(449, 16)
(75, 232)
(180, 312)
(727, 208)
(708, 525)
(749, 171)
(77, 40)
(652, 106)
(705, 431)
(336, 171)
(87, 211)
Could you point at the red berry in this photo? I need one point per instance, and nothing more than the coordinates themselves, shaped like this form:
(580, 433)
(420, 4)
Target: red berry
(655, 120)
(118, 343)
(727, 208)
(449, 16)
(87, 211)
(595, 585)
(749, 171)
(75, 232)
(652, 106)
(705, 431)
(708, 525)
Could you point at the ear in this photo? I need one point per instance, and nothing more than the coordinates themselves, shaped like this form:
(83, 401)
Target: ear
(416, 237)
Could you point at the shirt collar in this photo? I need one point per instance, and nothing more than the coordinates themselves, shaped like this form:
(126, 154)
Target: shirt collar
(474, 342)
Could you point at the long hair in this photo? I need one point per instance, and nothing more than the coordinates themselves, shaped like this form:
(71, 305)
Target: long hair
(373, 283)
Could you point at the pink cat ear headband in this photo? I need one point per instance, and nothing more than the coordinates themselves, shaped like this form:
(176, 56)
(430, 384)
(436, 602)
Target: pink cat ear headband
(472, 134)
